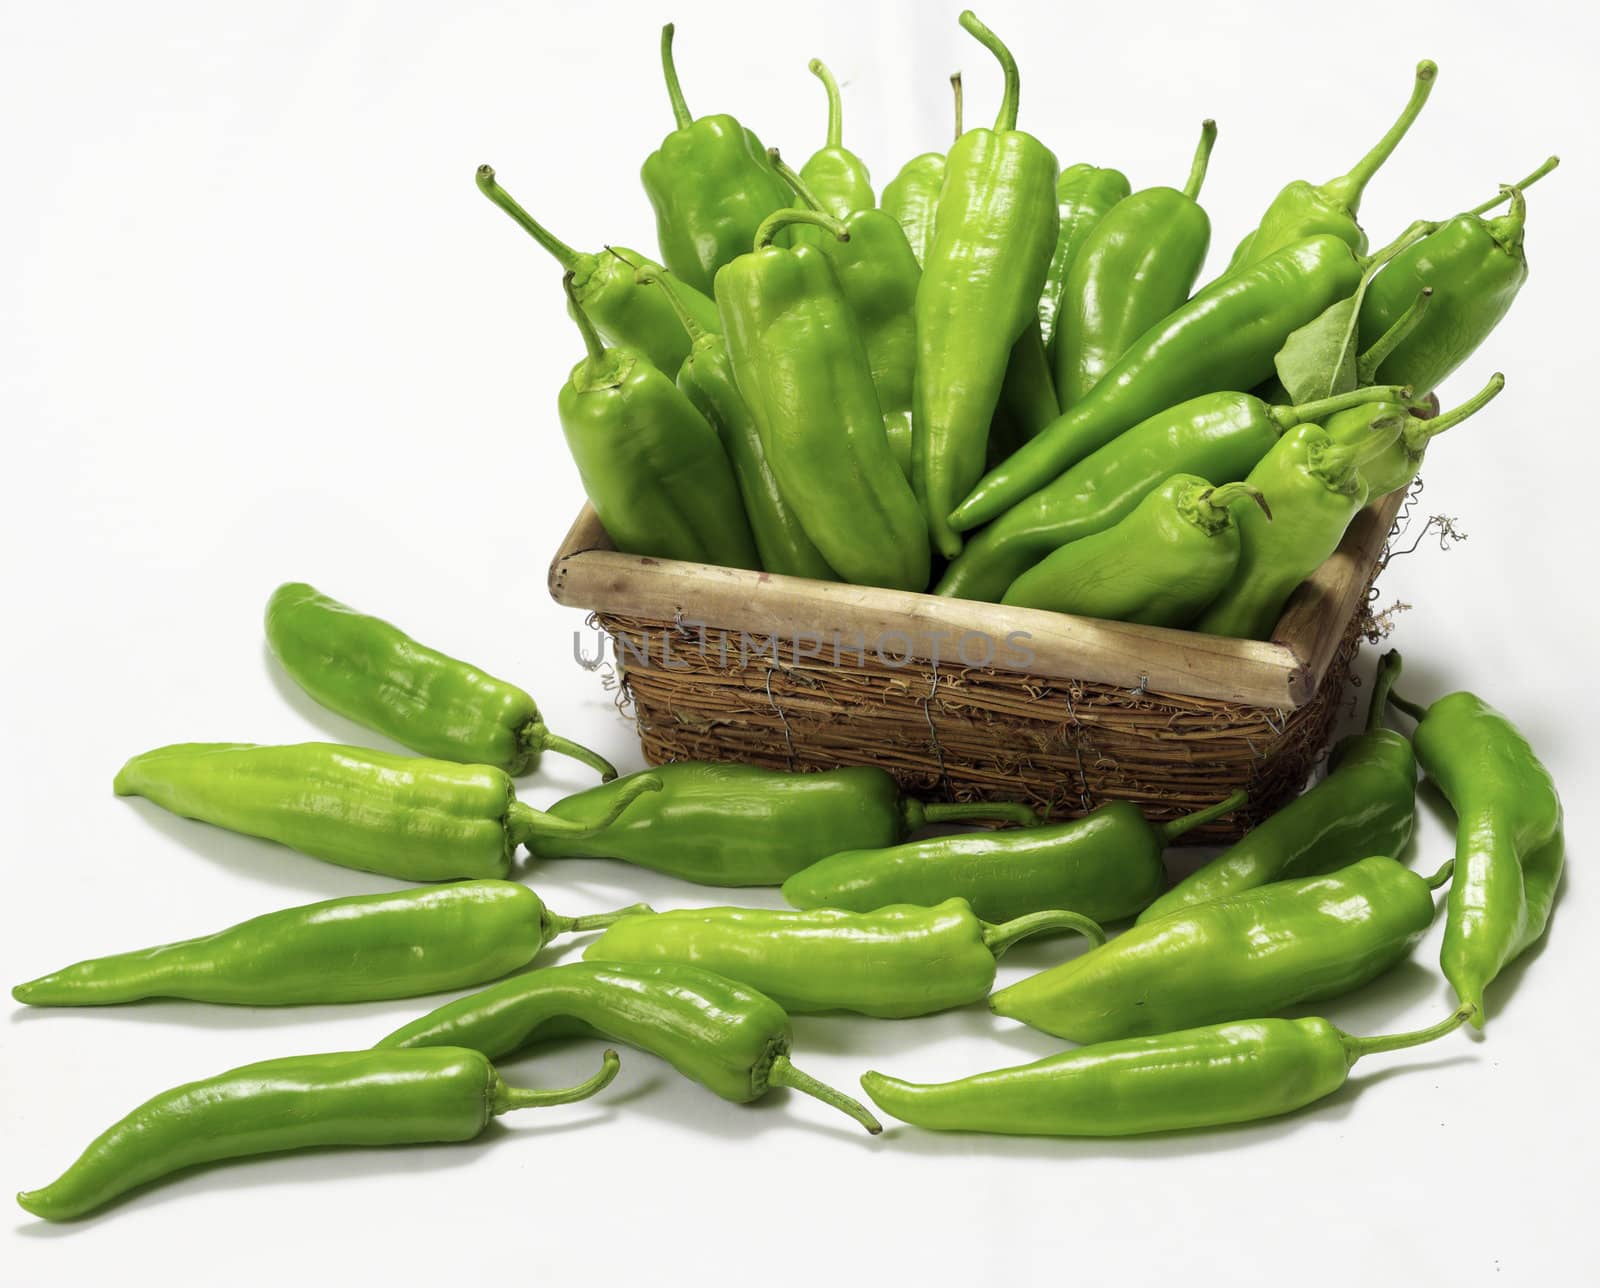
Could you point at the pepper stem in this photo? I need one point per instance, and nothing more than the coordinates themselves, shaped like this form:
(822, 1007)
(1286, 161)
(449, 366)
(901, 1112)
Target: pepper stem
(819, 69)
(508, 1098)
(591, 337)
(1415, 232)
(1508, 228)
(784, 1074)
(999, 938)
(1202, 159)
(669, 69)
(957, 811)
(1367, 364)
(1418, 431)
(1220, 498)
(650, 275)
(1172, 830)
(490, 187)
(1349, 187)
(547, 741)
(523, 822)
(1322, 408)
(791, 176)
(955, 86)
(1335, 464)
(1382, 684)
(1442, 875)
(1355, 1047)
(1527, 181)
(555, 924)
(783, 218)
(1412, 709)
(1007, 119)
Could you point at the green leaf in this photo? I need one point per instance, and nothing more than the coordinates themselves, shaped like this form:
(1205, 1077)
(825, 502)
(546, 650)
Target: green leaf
(1319, 360)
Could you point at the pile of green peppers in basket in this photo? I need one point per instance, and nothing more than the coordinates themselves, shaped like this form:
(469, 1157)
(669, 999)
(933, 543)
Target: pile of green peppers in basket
(1004, 377)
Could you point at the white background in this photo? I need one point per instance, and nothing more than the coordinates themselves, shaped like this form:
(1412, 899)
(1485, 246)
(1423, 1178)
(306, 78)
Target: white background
(258, 325)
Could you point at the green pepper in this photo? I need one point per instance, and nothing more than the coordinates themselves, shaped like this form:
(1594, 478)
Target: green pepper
(606, 291)
(1509, 840)
(721, 1034)
(878, 274)
(1399, 463)
(377, 675)
(1160, 566)
(710, 185)
(803, 368)
(1243, 955)
(980, 289)
(1302, 210)
(399, 816)
(1315, 488)
(1085, 194)
(1138, 264)
(1219, 436)
(894, 962)
(655, 472)
(706, 378)
(1224, 338)
(1205, 1077)
(1028, 399)
(1106, 865)
(362, 948)
(303, 1102)
(1366, 805)
(912, 196)
(836, 175)
(741, 825)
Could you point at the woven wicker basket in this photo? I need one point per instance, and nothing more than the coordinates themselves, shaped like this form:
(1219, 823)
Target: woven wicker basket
(968, 701)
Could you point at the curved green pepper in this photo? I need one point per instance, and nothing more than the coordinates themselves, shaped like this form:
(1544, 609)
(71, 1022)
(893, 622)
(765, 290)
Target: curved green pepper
(893, 963)
(803, 368)
(721, 1034)
(1220, 437)
(838, 176)
(362, 948)
(655, 472)
(710, 185)
(1160, 566)
(1085, 194)
(1366, 805)
(1224, 338)
(1301, 210)
(1243, 955)
(912, 196)
(375, 674)
(605, 288)
(1509, 841)
(1396, 467)
(980, 290)
(1106, 865)
(1137, 266)
(400, 816)
(741, 825)
(303, 1102)
(706, 378)
(1206, 1077)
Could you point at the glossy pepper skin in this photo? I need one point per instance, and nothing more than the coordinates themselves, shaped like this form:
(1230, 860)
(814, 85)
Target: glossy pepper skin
(706, 379)
(878, 274)
(1315, 488)
(1396, 467)
(723, 1035)
(894, 962)
(605, 287)
(375, 674)
(655, 472)
(1304, 210)
(979, 291)
(1085, 194)
(912, 196)
(1160, 566)
(363, 948)
(837, 175)
(1366, 805)
(1510, 845)
(1220, 437)
(1106, 865)
(1243, 955)
(1205, 1077)
(400, 816)
(802, 365)
(710, 185)
(1224, 338)
(303, 1102)
(741, 825)
(1138, 264)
